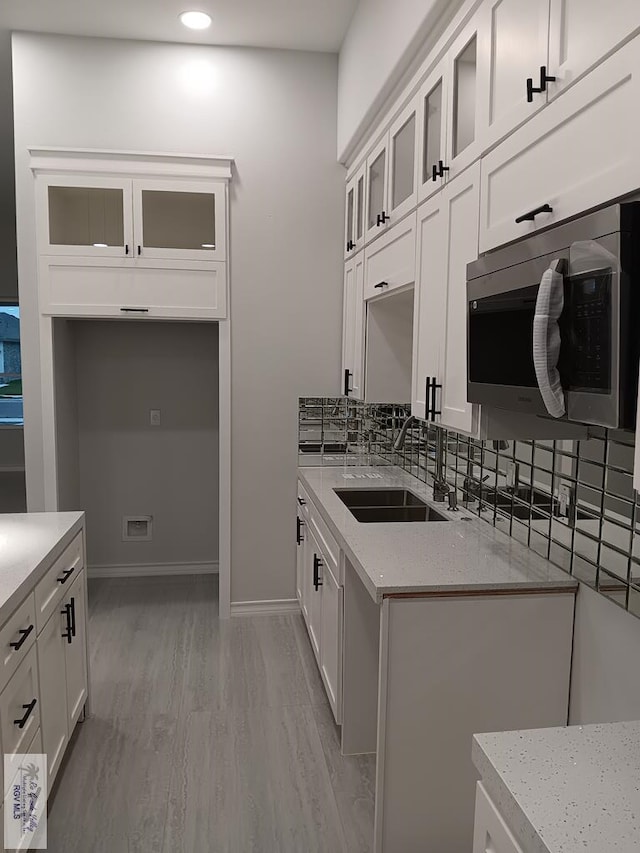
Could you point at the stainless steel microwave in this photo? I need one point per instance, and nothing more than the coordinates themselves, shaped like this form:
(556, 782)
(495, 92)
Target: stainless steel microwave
(578, 347)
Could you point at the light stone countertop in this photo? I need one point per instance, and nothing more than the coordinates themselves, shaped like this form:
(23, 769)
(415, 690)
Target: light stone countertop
(574, 789)
(29, 543)
(463, 555)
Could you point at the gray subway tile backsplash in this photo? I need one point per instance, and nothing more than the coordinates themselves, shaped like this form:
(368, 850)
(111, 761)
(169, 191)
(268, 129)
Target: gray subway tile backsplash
(572, 502)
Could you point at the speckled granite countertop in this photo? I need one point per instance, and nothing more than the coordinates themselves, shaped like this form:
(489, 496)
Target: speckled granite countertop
(463, 555)
(29, 543)
(566, 790)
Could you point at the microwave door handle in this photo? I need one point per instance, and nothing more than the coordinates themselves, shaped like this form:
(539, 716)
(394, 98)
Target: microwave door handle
(546, 338)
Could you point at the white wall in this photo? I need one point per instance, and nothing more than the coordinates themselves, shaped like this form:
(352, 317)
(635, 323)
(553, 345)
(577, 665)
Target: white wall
(381, 42)
(606, 645)
(275, 113)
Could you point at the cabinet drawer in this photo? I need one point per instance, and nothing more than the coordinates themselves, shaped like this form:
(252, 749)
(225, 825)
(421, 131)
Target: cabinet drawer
(303, 500)
(123, 287)
(57, 580)
(578, 153)
(19, 630)
(490, 833)
(328, 545)
(20, 701)
(390, 262)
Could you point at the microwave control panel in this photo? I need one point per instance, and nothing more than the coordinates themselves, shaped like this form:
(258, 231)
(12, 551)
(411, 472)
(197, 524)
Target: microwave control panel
(590, 313)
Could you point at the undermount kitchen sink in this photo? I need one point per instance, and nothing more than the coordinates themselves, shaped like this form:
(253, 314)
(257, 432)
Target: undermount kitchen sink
(380, 505)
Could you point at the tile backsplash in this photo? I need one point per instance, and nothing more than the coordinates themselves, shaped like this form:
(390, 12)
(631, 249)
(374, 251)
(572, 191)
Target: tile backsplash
(573, 502)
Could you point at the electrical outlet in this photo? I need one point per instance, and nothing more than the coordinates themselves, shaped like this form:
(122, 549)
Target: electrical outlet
(565, 501)
(513, 473)
(154, 417)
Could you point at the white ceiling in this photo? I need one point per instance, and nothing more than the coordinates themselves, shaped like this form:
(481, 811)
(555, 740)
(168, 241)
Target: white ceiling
(294, 24)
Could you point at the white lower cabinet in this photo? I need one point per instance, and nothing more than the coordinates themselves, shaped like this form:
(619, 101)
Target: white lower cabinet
(331, 635)
(320, 589)
(51, 665)
(565, 161)
(20, 709)
(76, 651)
(490, 832)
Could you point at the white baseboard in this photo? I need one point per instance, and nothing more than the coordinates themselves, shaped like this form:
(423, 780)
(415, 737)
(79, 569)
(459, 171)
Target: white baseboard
(139, 570)
(276, 607)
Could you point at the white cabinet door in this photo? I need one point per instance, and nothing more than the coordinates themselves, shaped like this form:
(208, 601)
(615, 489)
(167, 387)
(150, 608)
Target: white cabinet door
(464, 125)
(84, 215)
(377, 210)
(461, 202)
(331, 647)
(429, 300)
(490, 831)
(353, 329)
(20, 708)
(314, 571)
(514, 48)
(53, 692)
(354, 212)
(403, 162)
(183, 220)
(300, 540)
(578, 153)
(583, 32)
(433, 102)
(76, 651)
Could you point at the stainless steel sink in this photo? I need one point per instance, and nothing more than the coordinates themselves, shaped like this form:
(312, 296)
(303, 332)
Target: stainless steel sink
(387, 505)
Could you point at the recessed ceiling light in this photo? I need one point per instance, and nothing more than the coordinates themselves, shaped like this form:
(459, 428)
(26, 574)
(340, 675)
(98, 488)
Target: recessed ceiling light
(196, 20)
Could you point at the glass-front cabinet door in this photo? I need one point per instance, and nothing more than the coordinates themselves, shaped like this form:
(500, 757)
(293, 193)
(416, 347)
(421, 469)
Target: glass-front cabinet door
(181, 220)
(432, 139)
(463, 136)
(403, 177)
(377, 210)
(354, 212)
(85, 216)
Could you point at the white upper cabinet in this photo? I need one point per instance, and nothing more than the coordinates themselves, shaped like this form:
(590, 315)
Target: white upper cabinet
(513, 50)
(432, 132)
(179, 220)
(578, 153)
(377, 181)
(464, 137)
(583, 32)
(353, 329)
(85, 215)
(403, 162)
(355, 212)
(429, 302)
(461, 205)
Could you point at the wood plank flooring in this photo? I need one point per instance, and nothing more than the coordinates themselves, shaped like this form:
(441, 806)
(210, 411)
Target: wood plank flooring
(205, 736)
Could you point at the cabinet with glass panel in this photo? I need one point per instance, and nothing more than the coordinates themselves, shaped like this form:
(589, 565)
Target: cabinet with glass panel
(355, 212)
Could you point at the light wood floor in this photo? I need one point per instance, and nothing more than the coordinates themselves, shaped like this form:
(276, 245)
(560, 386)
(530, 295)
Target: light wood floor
(205, 736)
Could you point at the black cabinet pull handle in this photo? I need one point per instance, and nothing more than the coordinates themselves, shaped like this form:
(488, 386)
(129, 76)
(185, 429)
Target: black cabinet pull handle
(68, 633)
(383, 217)
(347, 389)
(135, 310)
(350, 245)
(427, 398)
(529, 217)
(442, 168)
(139, 250)
(381, 284)
(66, 575)
(72, 605)
(19, 643)
(544, 79)
(435, 387)
(29, 710)
(126, 249)
(299, 539)
(302, 502)
(434, 172)
(317, 582)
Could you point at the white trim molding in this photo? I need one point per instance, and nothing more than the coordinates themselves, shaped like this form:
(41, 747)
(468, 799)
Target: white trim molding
(275, 607)
(140, 570)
